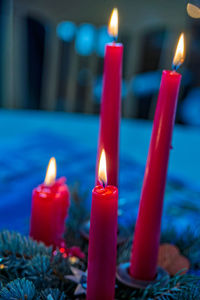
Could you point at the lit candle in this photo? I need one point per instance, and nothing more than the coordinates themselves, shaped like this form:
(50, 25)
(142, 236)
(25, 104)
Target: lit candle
(50, 203)
(111, 104)
(102, 251)
(147, 232)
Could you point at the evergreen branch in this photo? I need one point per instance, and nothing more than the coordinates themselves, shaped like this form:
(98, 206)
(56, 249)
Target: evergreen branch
(19, 289)
(12, 243)
(52, 294)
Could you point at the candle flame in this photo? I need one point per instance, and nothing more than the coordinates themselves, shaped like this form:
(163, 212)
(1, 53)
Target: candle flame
(180, 52)
(51, 172)
(193, 11)
(102, 173)
(113, 23)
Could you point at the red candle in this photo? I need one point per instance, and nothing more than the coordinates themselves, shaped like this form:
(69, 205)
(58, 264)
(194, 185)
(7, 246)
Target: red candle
(111, 104)
(147, 232)
(102, 251)
(50, 203)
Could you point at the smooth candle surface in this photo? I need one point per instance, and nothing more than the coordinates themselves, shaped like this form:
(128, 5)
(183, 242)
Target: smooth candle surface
(147, 232)
(49, 210)
(102, 253)
(111, 111)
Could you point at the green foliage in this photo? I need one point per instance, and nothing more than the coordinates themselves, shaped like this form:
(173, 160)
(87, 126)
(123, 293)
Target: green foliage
(39, 270)
(19, 289)
(12, 243)
(30, 271)
(52, 294)
(21, 257)
(179, 287)
(41, 276)
(188, 243)
(77, 215)
(23, 289)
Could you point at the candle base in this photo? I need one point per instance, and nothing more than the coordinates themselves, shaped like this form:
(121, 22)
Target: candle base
(122, 237)
(124, 277)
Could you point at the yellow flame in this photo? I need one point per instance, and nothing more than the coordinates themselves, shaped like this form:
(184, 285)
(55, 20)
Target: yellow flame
(102, 173)
(113, 23)
(180, 52)
(51, 172)
(193, 11)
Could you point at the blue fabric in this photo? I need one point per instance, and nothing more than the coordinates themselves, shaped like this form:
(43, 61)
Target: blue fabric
(23, 165)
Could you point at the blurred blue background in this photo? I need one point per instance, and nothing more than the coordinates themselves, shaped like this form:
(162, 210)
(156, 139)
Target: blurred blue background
(51, 55)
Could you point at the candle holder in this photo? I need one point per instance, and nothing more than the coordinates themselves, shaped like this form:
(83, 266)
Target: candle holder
(122, 236)
(124, 277)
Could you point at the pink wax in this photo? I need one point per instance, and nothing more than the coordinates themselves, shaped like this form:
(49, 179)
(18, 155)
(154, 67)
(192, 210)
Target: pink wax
(102, 244)
(50, 205)
(147, 232)
(111, 111)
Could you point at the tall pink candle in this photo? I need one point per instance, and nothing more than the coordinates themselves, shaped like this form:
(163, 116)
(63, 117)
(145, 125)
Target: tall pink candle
(102, 253)
(111, 107)
(147, 232)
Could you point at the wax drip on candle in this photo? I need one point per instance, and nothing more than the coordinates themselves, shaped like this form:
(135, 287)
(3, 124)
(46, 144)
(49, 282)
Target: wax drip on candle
(179, 54)
(102, 172)
(51, 172)
(113, 24)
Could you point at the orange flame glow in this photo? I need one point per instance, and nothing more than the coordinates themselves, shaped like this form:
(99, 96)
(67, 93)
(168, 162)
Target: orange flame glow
(102, 172)
(51, 172)
(179, 56)
(113, 23)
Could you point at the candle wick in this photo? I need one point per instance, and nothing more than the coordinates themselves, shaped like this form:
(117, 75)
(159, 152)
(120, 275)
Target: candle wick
(175, 67)
(103, 183)
(114, 39)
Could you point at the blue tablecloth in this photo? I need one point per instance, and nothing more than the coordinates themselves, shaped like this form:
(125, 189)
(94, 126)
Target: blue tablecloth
(29, 139)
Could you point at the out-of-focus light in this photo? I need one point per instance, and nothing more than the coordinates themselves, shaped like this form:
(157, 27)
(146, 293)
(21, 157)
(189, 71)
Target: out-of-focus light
(85, 39)
(193, 9)
(146, 84)
(102, 39)
(66, 31)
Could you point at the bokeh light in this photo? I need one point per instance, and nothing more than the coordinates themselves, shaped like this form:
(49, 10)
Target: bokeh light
(85, 39)
(66, 31)
(146, 83)
(193, 10)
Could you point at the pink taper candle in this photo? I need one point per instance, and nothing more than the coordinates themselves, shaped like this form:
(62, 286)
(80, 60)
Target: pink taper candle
(102, 253)
(147, 232)
(111, 105)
